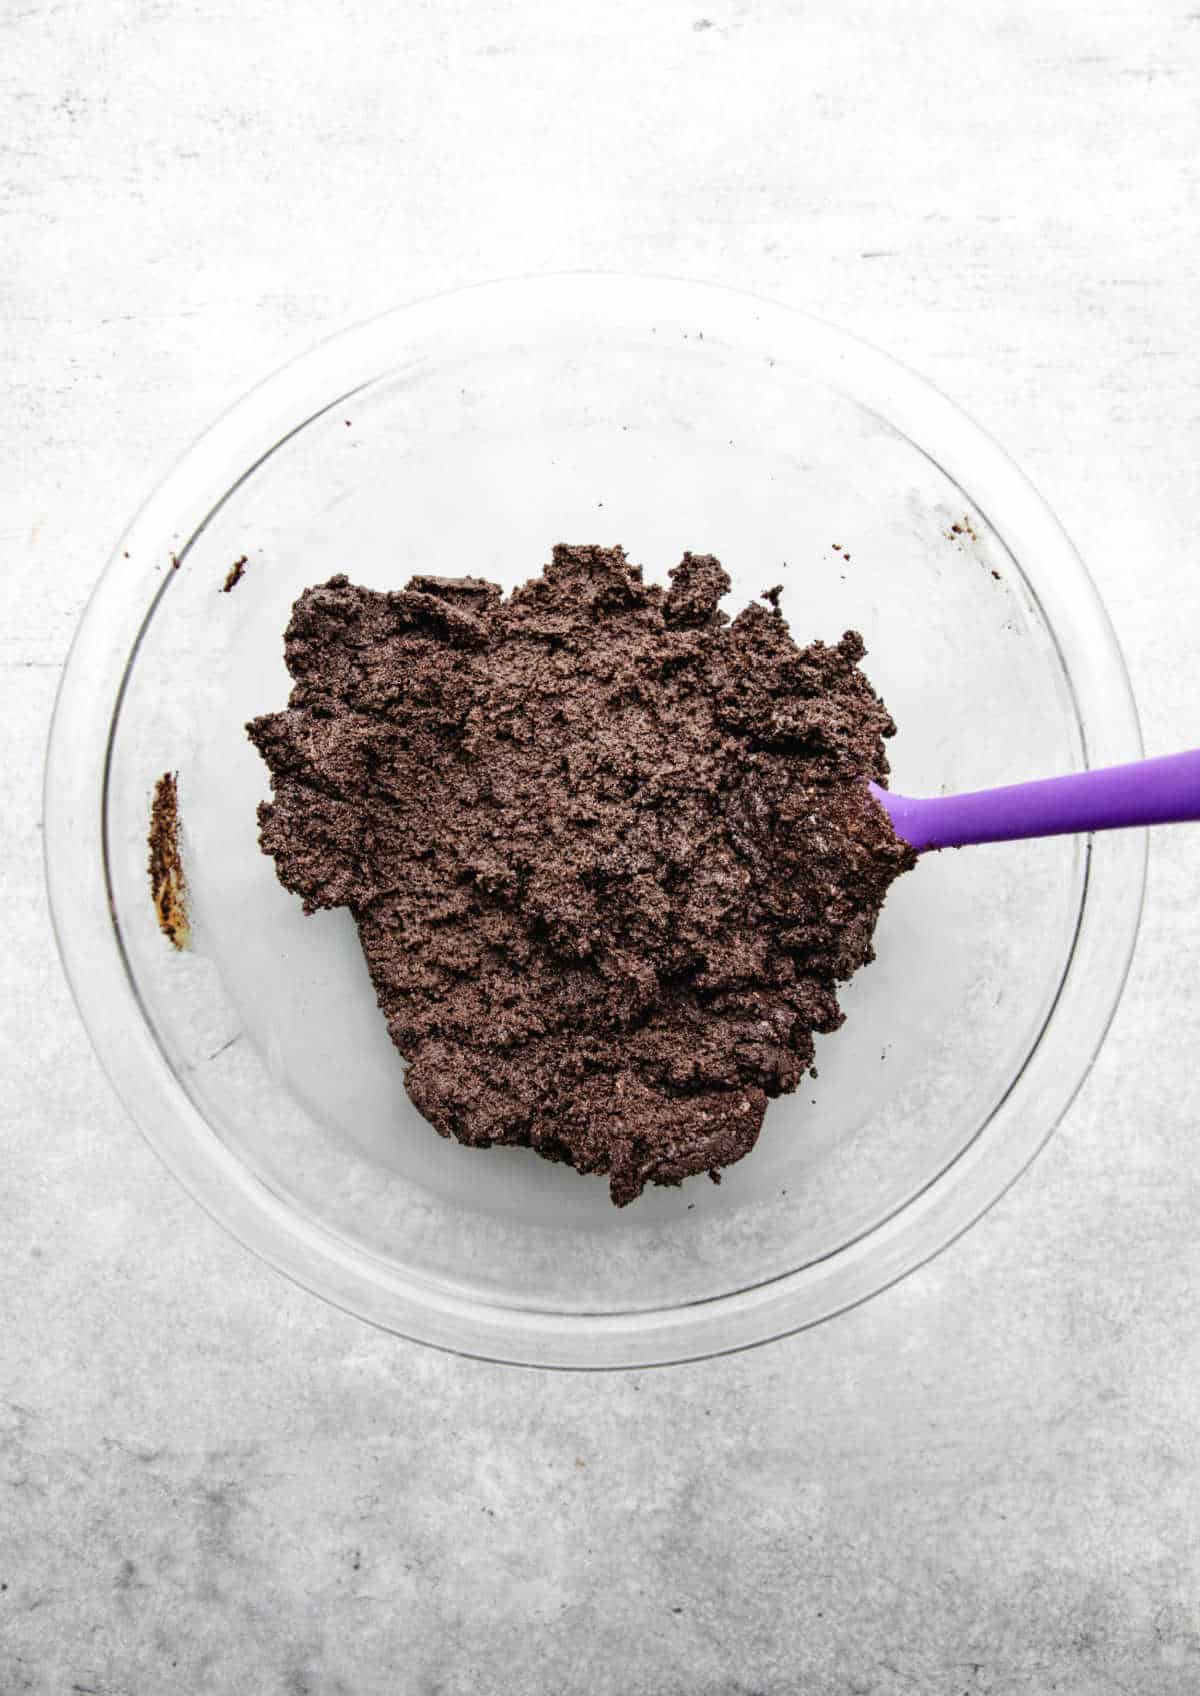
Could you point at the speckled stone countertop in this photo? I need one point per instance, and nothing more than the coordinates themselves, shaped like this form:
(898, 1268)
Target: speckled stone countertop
(986, 1481)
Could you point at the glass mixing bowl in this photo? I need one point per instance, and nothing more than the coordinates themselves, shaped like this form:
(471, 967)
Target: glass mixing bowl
(468, 434)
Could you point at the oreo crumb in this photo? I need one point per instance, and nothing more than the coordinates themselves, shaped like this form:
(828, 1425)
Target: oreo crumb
(234, 575)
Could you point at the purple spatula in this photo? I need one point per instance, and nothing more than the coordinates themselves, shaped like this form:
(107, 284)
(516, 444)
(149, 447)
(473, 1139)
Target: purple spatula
(1162, 791)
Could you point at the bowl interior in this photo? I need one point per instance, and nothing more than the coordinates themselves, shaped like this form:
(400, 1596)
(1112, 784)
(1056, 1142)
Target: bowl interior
(475, 453)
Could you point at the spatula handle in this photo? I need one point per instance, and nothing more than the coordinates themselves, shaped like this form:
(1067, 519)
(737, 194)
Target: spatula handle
(1161, 791)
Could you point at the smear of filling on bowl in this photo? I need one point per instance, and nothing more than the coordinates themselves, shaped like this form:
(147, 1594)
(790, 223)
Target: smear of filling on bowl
(168, 886)
(609, 853)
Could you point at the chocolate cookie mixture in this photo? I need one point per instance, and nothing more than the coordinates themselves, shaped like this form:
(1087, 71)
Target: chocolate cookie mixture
(609, 854)
(168, 886)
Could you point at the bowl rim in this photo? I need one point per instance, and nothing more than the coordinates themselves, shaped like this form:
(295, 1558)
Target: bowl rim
(87, 930)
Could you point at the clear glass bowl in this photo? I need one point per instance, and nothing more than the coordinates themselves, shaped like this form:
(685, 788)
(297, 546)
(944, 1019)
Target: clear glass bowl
(468, 434)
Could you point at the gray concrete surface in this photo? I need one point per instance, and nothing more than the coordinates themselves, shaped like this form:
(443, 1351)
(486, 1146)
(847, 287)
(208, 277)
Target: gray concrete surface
(986, 1482)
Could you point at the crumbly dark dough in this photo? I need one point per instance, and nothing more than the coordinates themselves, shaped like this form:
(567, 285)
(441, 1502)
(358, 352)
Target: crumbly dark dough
(609, 854)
